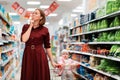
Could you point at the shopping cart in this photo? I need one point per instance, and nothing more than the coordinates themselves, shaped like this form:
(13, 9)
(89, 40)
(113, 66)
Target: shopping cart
(54, 75)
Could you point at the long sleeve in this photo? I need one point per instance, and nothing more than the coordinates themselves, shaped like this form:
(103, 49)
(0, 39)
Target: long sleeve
(47, 40)
(24, 29)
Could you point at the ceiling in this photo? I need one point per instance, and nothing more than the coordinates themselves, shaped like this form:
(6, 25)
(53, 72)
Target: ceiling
(64, 7)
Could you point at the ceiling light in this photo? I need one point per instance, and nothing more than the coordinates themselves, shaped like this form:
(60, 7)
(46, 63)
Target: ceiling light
(31, 9)
(33, 2)
(79, 7)
(46, 23)
(44, 6)
(16, 22)
(13, 14)
(53, 14)
(64, 0)
(73, 15)
(60, 22)
(77, 10)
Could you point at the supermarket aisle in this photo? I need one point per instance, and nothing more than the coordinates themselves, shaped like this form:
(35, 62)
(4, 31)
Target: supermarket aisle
(53, 75)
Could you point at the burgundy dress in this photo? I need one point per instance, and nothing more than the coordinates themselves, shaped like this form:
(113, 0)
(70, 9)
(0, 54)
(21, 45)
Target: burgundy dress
(35, 63)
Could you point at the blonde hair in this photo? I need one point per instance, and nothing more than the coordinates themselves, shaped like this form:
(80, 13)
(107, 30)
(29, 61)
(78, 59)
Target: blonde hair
(64, 51)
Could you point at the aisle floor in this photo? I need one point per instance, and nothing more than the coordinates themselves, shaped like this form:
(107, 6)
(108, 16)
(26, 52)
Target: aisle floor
(53, 75)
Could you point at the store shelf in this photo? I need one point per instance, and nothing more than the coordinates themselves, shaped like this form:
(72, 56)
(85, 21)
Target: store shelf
(6, 61)
(7, 72)
(75, 27)
(95, 55)
(115, 77)
(9, 33)
(11, 41)
(75, 35)
(101, 30)
(4, 33)
(78, 52)
(95, 43)
(103, 42)
(96, 31)
(1, 43)
(77, 43)
(101, 72)
(4, 20)
(104, 73)
(8, 50)
(80, 75)
(5, 41)
(106, 16)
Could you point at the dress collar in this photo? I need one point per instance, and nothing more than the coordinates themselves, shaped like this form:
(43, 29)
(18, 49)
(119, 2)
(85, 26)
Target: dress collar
(37, 28)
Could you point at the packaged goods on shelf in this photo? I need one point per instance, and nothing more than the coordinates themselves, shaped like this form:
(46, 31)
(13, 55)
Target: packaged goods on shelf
(94, 61)
(7, 48)
(100, 12)
(100, 34)
(82, 19)
(92, 16)
(2, 10)
(109, 66)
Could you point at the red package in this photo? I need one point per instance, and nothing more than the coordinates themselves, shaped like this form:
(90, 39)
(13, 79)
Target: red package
(21, 10)
(53, 6)
(15, 5)
(47, 12)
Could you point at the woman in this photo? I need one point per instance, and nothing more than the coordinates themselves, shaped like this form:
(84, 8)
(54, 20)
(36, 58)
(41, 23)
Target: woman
(36, 38)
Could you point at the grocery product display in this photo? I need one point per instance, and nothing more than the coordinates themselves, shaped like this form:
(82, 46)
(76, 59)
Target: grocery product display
(98, 40)
(9, 62)
(91, 35)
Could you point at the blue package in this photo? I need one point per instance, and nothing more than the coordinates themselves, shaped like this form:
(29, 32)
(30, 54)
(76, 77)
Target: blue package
(89, 77)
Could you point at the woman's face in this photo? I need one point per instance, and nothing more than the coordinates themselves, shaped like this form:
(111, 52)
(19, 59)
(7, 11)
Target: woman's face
(36, 16)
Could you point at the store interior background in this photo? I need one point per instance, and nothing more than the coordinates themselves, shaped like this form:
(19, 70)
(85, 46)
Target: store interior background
(64, 16)
(65, 27)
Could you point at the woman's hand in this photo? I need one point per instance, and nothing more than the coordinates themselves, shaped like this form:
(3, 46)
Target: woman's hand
(31, 23)
(55, 64)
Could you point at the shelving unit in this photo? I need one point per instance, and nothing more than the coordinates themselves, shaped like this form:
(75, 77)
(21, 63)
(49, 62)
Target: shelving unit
(77, 43)
(1, 17)
(5, 62)
(96, 55)
(4, 33)
(8, 71)
(1, 43)
(103, 42)
(104, 17)
(96, 31)
(80, 75)
(95, 43)
(101, 72)
(90, 37)
(8, 49)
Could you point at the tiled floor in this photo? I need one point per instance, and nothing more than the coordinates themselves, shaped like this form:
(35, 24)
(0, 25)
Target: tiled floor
(53, 75)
